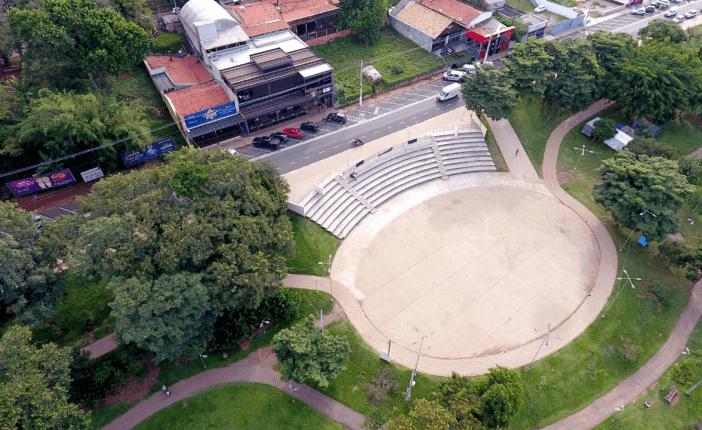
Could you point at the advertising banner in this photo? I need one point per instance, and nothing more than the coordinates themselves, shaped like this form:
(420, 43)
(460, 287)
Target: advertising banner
(208, 115)
(41, 182)
(92, 174)
(154, 150)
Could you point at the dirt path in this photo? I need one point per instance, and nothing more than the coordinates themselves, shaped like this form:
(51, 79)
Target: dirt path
(247, 370)
(627, 391)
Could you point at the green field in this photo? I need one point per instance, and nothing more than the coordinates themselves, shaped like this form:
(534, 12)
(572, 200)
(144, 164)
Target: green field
(312, 245)
(494, 148)
(241, 407)
(397, 58)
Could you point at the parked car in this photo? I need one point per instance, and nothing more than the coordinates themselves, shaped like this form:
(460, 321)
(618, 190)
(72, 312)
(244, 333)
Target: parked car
(672, 12)
(639, 11)
(232, 151)
(678, 19)
(454, 76)
(650, 9)
(665, 4)
(690, 14)
(539, 9)
(280, 136)
(336, 117)
(468, 68)
(295, 133)
(656, 4)
(266, 141)
(676, 1)
(309, 126)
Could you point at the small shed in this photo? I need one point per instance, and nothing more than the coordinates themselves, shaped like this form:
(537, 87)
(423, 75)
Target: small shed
(587, 130)
(619, 141)
(372, 74)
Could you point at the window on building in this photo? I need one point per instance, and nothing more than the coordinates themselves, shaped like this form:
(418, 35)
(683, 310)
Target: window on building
(301, 29)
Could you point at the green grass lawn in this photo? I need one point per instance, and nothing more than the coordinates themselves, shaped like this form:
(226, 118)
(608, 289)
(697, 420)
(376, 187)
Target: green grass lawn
(167, 41)
(685, 414)
(99, 418)
(312, 245)
(241, 407)
(530, 123)
(387, 55)
(494, 148)
(573, 377)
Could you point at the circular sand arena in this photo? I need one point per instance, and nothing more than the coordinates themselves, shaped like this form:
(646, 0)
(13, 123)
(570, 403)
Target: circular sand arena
(477, 272)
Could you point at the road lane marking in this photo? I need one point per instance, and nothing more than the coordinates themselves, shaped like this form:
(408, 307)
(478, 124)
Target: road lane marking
(307, 157)
(336, 146)
(402, 122)
(292, 162)
(321, 152)
(376, 110)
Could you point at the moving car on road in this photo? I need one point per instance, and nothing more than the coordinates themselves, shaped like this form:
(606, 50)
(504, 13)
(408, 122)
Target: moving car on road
(266, 141)
(294, 133)
(650, 9)
(678, 19)
(336, 117)
(280, 136)
(309, 126)
(672, 12)
(454, 75)
(449, 92)
(690, 14)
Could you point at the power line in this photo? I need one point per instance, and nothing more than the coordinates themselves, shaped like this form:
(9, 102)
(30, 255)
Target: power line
(107, 145)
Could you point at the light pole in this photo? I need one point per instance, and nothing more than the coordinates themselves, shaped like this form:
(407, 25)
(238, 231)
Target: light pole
(645, 211)
(329, 263)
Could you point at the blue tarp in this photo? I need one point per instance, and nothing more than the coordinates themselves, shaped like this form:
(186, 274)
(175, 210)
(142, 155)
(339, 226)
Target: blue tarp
(642, 240)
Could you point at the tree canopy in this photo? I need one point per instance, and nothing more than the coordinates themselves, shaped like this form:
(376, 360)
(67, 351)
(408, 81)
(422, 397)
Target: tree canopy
(604, 129)
(490, 92)
(504, 396)
(34, 385)
(308, 355)
(65, 39)
(425, 415)
(662, 30)
(365, 16)
(634, 188)
(530, 65)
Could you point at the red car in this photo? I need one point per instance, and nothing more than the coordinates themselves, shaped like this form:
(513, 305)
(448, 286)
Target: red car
(294, 133)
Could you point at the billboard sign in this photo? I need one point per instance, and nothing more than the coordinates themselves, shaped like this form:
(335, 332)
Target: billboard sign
(92, 174)
(41, 182)
(157, 148)
(210, 115)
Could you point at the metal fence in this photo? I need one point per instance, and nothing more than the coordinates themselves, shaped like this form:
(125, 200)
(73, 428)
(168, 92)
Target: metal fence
(566, 25)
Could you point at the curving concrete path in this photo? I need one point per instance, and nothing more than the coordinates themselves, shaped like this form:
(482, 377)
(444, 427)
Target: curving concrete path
(629, 389)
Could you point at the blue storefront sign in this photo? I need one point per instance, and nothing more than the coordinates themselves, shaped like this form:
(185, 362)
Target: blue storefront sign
(157, 148)
(209, 115)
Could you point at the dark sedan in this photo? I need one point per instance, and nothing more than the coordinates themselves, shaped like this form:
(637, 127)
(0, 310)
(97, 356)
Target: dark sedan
(280, 136)
(309, 126)
(266, 141)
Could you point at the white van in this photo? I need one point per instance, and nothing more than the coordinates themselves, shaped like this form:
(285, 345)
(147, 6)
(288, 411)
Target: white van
(468, 68)
(449, 92)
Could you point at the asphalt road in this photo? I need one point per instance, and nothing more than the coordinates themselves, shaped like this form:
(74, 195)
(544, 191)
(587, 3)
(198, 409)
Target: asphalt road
(631, 24)
(368, 123)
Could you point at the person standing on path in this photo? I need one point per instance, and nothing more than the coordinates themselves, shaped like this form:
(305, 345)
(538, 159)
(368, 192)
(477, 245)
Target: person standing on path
(517, 152)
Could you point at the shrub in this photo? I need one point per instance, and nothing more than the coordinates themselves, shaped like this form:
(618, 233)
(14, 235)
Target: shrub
(628, 350)
(83, 305)
(681, 374)
(651, 147)
(604, 129)
(661, 292)
(644, 128)
(692, 168)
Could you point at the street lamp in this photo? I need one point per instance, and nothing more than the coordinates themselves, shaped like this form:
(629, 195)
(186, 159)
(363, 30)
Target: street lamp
(645, 211)
(329, 263)
(648, 212)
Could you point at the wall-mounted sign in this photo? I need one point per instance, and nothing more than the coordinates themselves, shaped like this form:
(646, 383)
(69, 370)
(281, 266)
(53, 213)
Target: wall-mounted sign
(154, 150)
(209, 115)
(92, 174)
(41, 182)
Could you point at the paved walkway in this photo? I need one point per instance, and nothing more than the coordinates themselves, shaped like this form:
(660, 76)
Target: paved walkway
(512, 149)
(237, 372)
(629, 389)
(102, 346)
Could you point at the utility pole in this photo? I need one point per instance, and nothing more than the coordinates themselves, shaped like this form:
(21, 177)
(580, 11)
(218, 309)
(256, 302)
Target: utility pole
(331, 290)
(487, 51)
(360, 95)
(587, 15)
(414, 372)
(321, 319)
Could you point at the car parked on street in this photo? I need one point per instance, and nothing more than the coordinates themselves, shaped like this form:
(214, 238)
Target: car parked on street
(539, 9)
(294, 133)
(266, 141)
(690, 14)
(678, 19)
(650, 9)
(280, 136)
(672, 12)
(468, 68)
(639, 11)
(454, 76)
(309, 126)
(336, 117)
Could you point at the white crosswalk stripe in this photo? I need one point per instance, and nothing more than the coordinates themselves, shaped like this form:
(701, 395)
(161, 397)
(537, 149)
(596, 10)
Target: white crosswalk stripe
(355, 118)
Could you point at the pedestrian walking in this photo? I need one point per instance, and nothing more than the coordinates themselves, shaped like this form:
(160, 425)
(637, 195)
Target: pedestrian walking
(164, 390)
(516, 153)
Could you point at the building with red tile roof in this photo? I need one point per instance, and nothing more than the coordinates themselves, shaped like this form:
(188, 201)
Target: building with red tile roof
(181, 71)
(198, 98)
(308, 19)
(453, 9)
(258, 18)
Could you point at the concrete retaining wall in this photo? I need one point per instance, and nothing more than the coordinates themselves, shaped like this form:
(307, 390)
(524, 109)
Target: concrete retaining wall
(329, 37)
(298, 209)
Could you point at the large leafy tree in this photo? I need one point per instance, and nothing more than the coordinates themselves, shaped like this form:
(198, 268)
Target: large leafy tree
(530, 65)
(426, 415)
(365, 16)
(134, 10)
(75, 38)
(27, 284)
(609, 49)
(504, 396)
(658, 80)
(459, 395)
(230, 228)
(661, 30)
(34, 385)
(490, 92)
(63, 123)
(631, 185)
(575, 75)
(308, 355)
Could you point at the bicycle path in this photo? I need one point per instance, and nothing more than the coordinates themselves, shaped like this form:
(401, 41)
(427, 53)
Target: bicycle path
(237, 372)
(629, 389)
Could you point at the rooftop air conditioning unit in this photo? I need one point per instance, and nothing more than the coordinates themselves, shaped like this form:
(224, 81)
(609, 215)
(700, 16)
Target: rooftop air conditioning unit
(242, 8)
(460, 19)
(441, 11)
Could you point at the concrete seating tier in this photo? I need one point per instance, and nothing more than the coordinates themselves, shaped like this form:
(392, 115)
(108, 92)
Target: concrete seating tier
(347, 198)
